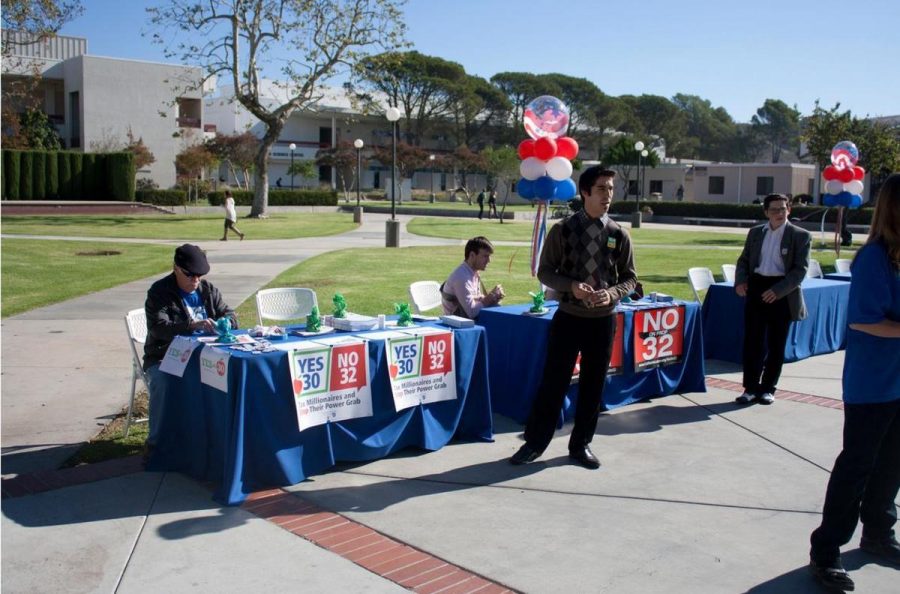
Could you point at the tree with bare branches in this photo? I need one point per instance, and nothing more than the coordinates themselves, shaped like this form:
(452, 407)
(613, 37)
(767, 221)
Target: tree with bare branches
(304, 43)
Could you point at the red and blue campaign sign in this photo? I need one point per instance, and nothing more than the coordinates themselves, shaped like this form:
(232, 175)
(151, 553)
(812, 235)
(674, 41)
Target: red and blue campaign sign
(658, 337)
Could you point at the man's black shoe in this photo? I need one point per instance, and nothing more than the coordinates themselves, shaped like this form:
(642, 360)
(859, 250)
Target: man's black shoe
(525, 455)
(585, 457)
(886, 548)
(832, 576)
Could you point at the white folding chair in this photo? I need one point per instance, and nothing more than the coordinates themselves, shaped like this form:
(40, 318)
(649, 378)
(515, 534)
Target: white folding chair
(700, 279)
(814, 270)
(842, 264)
(728, 272)
(288, 303)
(425, 295)
(136, 324)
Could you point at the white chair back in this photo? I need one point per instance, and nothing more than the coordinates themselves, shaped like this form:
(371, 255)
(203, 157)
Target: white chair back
(425, 295)
(814, 270)
(728, 271)
(136, 326)
(289, 303)
(700, 279)
(842, 264)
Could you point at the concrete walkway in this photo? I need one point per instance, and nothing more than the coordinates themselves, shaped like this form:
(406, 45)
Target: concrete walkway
(695, 494)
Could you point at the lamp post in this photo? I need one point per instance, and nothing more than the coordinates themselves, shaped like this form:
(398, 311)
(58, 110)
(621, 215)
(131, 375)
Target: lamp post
(392, 229)
(293, 147)
(357, 212)
(643, 183)
(431, 161)
(636, 216)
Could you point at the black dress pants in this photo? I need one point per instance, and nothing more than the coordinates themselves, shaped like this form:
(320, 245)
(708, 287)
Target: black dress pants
(766, 327)
(864, 482)
(569, 334)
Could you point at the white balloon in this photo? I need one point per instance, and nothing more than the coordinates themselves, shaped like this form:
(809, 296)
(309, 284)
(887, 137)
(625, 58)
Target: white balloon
(559, 168)
(854, 187)
(834, 187)
(532, 168)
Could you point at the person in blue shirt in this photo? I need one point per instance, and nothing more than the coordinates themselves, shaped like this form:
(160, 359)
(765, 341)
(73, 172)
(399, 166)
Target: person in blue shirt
(866, 476)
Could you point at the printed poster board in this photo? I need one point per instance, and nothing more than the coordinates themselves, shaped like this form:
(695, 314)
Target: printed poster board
(421, 366)
(658, 337)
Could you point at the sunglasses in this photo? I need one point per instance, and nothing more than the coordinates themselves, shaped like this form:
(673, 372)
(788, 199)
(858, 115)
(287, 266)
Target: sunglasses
(189, 274)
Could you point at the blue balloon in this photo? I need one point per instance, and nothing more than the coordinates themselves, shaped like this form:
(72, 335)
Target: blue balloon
(545, 187)
(855, 201)
(565, 189)
(830, 200)
(525, 188)
(844, 198)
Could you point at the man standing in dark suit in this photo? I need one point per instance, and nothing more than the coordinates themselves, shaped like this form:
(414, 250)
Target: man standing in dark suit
(769, 272)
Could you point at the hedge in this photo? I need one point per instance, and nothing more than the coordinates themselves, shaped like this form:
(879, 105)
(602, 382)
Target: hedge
(711, 210)
(161, 197)
(279, 198)
(12, 171)
(67, 175)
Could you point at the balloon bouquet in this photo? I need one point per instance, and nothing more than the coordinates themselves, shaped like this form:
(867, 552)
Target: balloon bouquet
(843, 183)
(546, 166)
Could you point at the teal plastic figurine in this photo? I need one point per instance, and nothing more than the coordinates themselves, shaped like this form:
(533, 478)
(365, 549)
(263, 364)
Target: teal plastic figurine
(404, 316)
(537, 300)
(313, 321)
(340, 306)
(223, 329)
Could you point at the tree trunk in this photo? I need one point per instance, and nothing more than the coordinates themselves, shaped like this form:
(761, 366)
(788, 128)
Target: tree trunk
(260, 206)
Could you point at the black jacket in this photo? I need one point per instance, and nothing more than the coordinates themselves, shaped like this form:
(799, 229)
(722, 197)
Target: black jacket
(167, 316)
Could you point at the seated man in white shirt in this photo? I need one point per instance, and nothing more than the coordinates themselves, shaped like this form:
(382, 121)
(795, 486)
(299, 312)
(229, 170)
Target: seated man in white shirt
(463, 293)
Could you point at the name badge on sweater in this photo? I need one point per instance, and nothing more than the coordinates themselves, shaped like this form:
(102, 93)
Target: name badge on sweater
(611, 243)
(784, 251)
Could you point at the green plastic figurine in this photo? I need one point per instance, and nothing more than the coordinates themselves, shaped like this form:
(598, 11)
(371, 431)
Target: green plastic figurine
(404, 315)
(537, 300)
(313, 321)
(340, 306)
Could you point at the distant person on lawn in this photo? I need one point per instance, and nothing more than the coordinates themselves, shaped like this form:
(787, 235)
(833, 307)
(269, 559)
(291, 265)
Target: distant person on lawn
(181, 303)
(230, 216)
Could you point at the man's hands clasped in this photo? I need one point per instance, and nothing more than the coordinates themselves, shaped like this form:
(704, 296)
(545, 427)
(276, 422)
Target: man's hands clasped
(590, 296)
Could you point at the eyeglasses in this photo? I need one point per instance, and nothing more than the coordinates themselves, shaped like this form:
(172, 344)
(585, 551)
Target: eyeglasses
(189, 274)
(775, 210)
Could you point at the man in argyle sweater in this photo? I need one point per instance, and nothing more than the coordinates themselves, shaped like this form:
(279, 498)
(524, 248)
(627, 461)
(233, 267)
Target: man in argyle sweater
(588, 260)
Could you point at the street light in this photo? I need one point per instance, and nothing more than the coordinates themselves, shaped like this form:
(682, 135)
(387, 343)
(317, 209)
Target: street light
(636, 216)
(358, 143)
(431, 161)
(643, 183)
(293, 147)
(392, 238)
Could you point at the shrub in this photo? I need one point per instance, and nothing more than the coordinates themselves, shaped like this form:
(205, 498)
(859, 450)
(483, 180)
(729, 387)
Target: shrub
(279, 197)
(26, 182)
(39, 173)
(120, 172)
(52, 172)
(94, 173)
(77, 169)
(162, 197)
(12, 171)
(64, 164)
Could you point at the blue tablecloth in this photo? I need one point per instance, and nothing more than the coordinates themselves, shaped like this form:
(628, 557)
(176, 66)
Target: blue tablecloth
(823, 331)
(518, 346)
(249, 438)
(838, 276)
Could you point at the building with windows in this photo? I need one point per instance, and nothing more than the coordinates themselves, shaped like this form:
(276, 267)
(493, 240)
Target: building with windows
(93, 102)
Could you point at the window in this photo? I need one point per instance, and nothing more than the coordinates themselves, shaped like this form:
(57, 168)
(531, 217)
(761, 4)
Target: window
(656, 186)
(632, 187)
(75, 118)
(765, 185)
(716, 184)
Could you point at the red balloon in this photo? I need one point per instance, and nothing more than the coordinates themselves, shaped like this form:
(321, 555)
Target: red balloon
(845, 175)
(859, 173)
(830, 173)
(545, 148)
(526, 149)
(566, 147)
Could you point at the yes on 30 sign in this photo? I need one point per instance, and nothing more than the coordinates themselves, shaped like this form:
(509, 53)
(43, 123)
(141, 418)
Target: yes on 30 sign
(331, 382)
(421, 367)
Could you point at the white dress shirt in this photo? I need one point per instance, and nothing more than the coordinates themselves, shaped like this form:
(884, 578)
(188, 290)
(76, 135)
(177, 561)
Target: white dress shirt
(770, 261)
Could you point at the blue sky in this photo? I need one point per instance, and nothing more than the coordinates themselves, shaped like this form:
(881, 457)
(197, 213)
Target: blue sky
(735, 54)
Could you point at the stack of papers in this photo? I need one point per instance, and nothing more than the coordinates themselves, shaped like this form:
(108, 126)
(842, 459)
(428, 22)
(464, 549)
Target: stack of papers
(457, 321)
(354, 322)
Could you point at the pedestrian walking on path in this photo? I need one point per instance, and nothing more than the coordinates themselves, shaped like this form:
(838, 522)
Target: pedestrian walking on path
(230, 216)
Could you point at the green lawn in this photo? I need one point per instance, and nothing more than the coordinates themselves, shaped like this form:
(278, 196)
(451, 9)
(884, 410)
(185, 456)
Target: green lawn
(373, 279)
(37, 273)
(193, 227)
(521, 231)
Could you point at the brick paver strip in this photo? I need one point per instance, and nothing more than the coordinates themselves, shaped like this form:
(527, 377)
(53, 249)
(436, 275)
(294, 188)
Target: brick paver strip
(714, 382)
